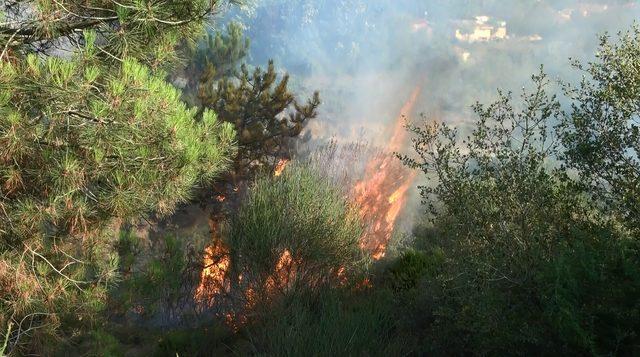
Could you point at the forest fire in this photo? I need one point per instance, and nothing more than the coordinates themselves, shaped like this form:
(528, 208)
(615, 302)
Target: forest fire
(381, 196)
(283, 274)
(280, 166)
(213, 278)
(383, 192)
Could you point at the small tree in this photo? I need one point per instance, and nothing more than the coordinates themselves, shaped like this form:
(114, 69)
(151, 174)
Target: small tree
(263, 112)
(89, 132)
(520, 232)
(261, 107)
(602, 131)
(219, 52)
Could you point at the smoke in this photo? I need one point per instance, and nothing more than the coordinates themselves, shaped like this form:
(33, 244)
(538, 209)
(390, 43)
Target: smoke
(366, 56)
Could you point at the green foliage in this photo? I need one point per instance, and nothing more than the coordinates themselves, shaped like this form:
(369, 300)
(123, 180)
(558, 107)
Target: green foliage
(89, 140)
(538, 259)
(406, 273)
(303, 213)
(104, 344)
(335, 323)
(532, 249)
(96, 165)
(589, 296)
(305, 305)
(146, 30)
(126, 146)
(220, 53)
(212, 340)
(602, 131)
(256, 102)
(332, 322)
(158, 287)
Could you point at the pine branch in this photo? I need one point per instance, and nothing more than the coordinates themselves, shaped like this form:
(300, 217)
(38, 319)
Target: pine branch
(29, 32)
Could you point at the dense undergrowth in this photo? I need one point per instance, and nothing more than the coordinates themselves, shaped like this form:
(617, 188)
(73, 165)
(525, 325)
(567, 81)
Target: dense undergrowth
(524, 250)
(529, 243)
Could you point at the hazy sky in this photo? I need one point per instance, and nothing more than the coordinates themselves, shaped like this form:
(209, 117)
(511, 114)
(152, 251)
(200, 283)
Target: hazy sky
(366, 56)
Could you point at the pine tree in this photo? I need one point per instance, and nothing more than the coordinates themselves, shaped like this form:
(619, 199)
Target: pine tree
(261, 106)
(262, 110)
(224, 51)
(90, 134)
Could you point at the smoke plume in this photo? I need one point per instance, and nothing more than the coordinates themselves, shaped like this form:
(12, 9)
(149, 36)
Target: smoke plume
(365, 57)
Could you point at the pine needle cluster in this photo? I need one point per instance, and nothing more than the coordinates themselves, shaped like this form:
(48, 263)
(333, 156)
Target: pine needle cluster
(91, 134)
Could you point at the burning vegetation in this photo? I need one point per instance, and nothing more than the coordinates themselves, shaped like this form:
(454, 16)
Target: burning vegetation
(280, 166)
(283, 275)
(213, 279)
(378, 200)
(383, 193)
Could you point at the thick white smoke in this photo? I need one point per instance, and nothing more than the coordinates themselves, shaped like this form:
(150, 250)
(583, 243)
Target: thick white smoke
(365, 56)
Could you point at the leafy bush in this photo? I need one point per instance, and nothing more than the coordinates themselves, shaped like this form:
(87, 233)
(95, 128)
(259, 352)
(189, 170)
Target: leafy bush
(589, 295)
(539, 259)
(158, 280)
(294, 244)
(601, 133)
(406, 273)
(104, 344)
(212, 340)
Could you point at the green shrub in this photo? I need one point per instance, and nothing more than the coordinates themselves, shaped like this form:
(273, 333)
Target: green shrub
(589, 295)
(411, 267)
(213, 340)
(159, 285)
(104, 344)
(302, 213)
(335, 323)
(582, 299)
(539, 259)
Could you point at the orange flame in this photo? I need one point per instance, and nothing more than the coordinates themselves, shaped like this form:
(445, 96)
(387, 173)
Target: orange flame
(283, 274)
(380, 196)
(383, 192)
(280, 166)
(213, 278)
